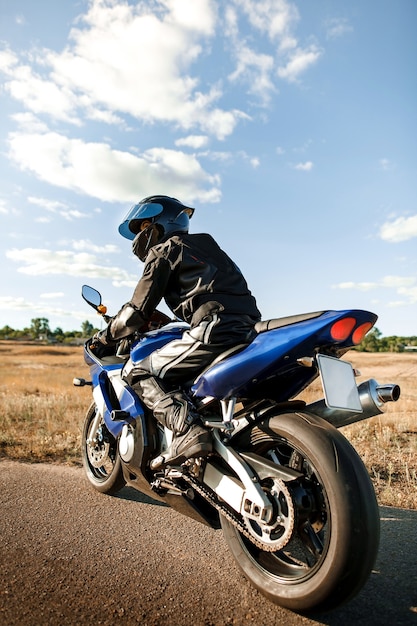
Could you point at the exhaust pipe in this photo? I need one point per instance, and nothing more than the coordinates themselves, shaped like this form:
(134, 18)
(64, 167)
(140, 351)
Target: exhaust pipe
(372, 397)
(388, 393)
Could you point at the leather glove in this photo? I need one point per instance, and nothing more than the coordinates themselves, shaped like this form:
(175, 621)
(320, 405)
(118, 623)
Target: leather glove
(100, 345)
(100, 337)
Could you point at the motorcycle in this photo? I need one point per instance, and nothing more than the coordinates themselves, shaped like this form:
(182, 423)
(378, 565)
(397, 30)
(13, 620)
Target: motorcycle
(289, 492)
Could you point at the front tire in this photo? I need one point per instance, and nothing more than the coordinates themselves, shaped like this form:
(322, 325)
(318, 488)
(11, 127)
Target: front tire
(336, 520)
(101, 460)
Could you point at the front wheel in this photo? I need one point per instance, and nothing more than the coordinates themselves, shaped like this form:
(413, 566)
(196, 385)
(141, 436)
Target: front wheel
(100, 456)
(327, 534)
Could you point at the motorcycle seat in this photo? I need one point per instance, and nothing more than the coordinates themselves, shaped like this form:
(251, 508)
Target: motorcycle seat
(280, 322)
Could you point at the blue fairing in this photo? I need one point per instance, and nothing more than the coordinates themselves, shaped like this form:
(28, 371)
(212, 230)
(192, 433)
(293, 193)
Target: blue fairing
(102, 372)
(127, 398)
(272, 352)
(156, 339)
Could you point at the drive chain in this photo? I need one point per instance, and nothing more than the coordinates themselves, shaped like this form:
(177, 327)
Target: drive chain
(231, 517)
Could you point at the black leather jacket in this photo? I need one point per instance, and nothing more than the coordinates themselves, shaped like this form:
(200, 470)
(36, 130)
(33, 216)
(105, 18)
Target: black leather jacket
(196, 279)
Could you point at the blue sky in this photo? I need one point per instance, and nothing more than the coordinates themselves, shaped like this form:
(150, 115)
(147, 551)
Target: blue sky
(289, 125)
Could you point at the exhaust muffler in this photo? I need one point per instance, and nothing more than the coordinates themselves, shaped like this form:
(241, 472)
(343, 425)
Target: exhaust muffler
(372, 397)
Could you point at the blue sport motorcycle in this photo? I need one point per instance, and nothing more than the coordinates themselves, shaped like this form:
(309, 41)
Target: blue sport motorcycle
(291, 495)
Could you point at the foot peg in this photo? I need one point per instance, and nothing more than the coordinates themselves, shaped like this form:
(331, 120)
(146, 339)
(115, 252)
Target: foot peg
(157, 462)
(120, 416)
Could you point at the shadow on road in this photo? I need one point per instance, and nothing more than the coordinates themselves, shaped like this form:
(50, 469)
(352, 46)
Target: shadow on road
(128, 493)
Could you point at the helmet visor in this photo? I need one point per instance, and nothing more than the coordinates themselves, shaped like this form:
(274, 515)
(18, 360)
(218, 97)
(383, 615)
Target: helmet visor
(139, 212)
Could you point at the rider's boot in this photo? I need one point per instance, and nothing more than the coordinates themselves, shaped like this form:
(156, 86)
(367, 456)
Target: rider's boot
(190, 439)
(173, 410)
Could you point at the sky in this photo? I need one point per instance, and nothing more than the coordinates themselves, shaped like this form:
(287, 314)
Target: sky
(290, 126)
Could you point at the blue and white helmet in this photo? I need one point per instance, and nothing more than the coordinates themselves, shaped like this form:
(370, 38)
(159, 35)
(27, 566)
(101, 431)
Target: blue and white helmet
(167, 214)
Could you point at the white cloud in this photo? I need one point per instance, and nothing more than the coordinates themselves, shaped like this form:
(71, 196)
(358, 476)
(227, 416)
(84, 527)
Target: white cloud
(50, 205)
(386, 165)
(304, 167)
(359, 286)
(85, 244)
(398, 282)
(5, 208)
(129, 59)
(273, 17)
(52, 295)
(198, 15)
(74, 214)
(29, 122)
(111, 175)
(193, 141)
(404, 286)
(257, 68)
(140, 61)
(43, 262)
(8, 61)
(400, 229)
(410, 293)
(298, 62)
(393, 282)
(281, 54)
(42, 96)
(9, 303)
(337, 27)
(59, 208)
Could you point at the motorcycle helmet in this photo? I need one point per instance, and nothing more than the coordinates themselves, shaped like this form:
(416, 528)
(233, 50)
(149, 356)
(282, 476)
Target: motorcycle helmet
(165, 215)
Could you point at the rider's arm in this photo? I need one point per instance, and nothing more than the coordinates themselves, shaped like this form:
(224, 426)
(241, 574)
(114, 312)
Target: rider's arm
(146, 297)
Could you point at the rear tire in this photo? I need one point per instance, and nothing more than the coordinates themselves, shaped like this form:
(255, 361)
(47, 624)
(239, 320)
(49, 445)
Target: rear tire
(336, 527)
(102, 463)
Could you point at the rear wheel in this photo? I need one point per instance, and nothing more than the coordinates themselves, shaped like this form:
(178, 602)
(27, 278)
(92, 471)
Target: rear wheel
(100, 456)
(326, 533)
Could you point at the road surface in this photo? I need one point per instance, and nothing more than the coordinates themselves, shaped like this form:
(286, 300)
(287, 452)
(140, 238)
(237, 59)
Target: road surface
(71, 556)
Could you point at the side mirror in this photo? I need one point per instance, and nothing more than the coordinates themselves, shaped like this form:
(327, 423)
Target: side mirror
(92, 297)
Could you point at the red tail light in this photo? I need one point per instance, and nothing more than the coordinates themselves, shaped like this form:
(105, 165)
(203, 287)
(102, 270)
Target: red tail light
(342, 329)
(360, 332)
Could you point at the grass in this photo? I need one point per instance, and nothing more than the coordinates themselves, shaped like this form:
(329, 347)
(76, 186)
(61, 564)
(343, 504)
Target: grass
(41, 413)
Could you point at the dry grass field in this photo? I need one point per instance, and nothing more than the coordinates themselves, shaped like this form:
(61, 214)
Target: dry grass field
(41, 413)
(387, 443)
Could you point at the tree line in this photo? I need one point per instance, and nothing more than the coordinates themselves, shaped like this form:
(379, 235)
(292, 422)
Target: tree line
(39, 330)
(375, 342)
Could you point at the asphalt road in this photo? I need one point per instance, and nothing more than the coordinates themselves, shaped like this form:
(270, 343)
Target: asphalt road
(71, 556)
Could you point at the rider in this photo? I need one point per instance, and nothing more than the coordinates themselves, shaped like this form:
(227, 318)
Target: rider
(203, 287)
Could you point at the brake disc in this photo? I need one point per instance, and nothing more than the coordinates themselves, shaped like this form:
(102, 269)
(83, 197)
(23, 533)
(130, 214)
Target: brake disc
(98, 451)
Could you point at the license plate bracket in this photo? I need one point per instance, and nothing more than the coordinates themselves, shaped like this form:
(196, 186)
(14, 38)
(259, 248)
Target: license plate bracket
(339, 385)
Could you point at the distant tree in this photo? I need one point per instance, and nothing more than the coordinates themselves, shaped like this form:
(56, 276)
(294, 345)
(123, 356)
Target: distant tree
(87, 329)
(371, 343)
(7, 332)
(39, 326)
(59, 334)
